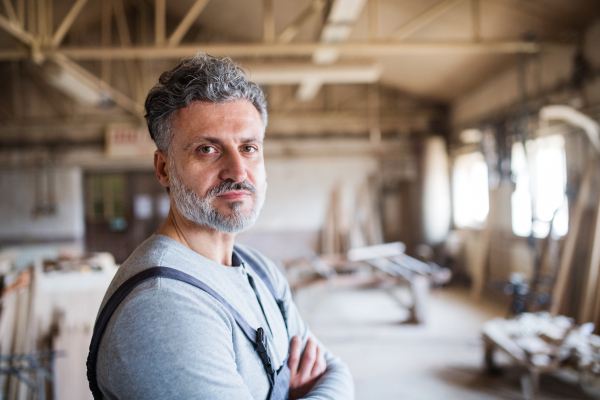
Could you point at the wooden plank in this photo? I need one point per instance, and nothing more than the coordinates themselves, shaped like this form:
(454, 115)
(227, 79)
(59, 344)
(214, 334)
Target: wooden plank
(16, 31)
(377, 49)
(10, 11)
(292, 30)
(67, 22)
(476, 20)
(566, 260)
(160, 12)
(481, 261)
(423, 19)
(373, 19)
(268, 21)
(106, 32)
(591, 289)
(186, 22)
(377, 251)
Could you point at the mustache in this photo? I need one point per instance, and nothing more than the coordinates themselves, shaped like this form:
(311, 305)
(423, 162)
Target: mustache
(229, 185)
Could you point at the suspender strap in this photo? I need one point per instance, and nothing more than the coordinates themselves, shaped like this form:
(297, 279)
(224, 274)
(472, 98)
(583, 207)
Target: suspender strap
(265, 278)
(257, 337)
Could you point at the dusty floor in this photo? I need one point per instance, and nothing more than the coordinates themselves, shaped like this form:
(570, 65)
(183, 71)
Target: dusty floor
(441, 359)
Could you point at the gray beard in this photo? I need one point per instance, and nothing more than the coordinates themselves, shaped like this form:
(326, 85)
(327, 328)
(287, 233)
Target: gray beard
(199, 209)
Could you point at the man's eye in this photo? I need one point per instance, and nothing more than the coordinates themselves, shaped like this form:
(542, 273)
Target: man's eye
(207, 149)
(249, 149)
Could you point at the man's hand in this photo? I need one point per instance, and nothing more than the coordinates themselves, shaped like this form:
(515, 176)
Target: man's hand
(304, 373)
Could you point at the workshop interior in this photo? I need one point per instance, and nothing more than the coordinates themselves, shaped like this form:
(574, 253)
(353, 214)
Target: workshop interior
(433, 177)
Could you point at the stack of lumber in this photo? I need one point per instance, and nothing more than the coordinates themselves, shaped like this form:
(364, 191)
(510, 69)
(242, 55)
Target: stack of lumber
(52, 306)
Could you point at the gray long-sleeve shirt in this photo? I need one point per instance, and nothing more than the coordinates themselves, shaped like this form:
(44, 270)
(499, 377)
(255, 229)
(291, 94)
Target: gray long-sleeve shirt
(170, 340)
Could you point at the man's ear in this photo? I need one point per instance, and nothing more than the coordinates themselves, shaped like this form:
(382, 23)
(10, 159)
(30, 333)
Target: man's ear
(161, 167)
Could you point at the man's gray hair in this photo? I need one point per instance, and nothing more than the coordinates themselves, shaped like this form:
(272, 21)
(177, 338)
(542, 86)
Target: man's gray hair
(200, 78)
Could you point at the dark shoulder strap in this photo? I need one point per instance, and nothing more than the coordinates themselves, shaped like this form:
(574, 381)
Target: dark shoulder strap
(118, 296)
(258, 269)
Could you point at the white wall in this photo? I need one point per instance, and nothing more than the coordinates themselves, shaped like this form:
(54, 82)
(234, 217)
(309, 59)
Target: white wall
(503, 90)
(297, 200)
(299, 189)
(18, 201)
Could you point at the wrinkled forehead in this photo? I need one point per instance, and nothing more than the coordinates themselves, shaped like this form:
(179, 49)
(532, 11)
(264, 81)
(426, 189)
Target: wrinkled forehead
(233, 120)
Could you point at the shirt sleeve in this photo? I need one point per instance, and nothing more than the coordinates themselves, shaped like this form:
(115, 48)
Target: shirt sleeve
(336, 383)
(154, 353)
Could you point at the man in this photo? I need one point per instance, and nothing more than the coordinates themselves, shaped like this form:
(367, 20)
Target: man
(168, 339)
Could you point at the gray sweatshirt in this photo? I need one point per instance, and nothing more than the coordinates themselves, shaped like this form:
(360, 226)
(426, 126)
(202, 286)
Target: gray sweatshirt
(170, 340)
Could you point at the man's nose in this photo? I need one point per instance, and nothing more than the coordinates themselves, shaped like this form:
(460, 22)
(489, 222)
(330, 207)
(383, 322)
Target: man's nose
(234, 167)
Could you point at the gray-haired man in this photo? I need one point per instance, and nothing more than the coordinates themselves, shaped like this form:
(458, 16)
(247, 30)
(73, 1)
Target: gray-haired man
(215, 320)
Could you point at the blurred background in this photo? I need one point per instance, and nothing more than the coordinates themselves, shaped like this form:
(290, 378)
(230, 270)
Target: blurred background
(433, 181)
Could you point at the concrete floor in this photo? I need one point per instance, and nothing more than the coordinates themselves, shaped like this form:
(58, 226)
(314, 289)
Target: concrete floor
(442, 359)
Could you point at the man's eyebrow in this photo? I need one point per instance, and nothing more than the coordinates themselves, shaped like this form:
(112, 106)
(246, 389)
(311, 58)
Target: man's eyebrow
(251, 140)
(203, 139)
(213, 140)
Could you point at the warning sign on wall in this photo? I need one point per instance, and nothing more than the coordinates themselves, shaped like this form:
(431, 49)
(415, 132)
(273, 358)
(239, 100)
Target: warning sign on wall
(129, 141)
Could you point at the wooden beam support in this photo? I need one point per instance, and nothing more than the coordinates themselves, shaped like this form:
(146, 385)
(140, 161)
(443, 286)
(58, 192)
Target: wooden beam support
(360, 49)
(160, 16)
(476, 20)
(566, 259)
(17, 31)
(119, 98)
(42, 22)
(106, 39)
(268, 22)
(50, 18)
(68, 22)
(292, 30)
(532, 10)
(125, 39)
(187, 22)
(294, 73)
(423, 19)
(31, 25)
(10, 11)
(21, 12)
(591, 290)
(374, 19)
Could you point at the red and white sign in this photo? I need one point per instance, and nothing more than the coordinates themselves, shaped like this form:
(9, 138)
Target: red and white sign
(129, 141)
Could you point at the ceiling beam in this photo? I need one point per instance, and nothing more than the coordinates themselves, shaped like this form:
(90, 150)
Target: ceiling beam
(160, 18)
(133, 77)
(423, 19)
(476, 20)
(358, 49)
(268, 22)
(373, 19)
(337, 29)
(530, 9)
(16, 31)
(10, 11)
(67, 22)
(293, 73)
(186, 22)
(292, 30)
(78, 73)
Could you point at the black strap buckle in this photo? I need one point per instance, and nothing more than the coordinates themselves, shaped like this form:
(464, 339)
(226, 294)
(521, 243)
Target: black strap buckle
(263, 351)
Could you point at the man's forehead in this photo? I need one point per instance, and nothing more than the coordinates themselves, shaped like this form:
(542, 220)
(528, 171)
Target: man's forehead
(232, 110)
(238, 118)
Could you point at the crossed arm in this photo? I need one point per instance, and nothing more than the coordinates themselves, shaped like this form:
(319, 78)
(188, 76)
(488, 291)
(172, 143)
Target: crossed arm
(154, 353)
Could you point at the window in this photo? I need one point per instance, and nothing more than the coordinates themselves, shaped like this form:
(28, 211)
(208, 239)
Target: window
(106, 200)
(540, 173)
(470, 190)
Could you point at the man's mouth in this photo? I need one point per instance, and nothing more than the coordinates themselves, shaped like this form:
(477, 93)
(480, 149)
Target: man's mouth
(234, 195)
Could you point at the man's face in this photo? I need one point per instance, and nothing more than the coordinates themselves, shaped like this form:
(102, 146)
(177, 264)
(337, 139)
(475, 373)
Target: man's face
(216, 166)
